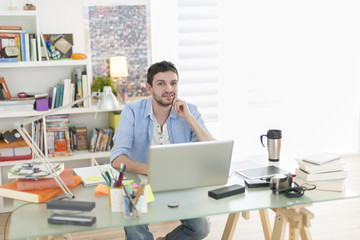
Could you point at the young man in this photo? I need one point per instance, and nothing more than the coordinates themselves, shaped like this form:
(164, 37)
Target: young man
(161, 119)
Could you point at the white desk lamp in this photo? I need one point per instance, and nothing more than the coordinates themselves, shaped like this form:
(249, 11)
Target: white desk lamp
(107, 101)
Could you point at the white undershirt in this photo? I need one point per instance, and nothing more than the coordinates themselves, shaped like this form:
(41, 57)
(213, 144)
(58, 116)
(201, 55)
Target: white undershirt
(159, 137)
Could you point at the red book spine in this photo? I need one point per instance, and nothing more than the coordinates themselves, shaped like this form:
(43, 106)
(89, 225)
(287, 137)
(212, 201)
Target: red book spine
(6, 89)
(10, 28)
(9, 35)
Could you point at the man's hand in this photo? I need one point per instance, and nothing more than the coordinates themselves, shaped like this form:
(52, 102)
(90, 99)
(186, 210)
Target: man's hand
(181, 108)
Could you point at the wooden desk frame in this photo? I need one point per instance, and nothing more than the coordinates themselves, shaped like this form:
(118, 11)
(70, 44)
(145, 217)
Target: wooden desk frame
(298, 218)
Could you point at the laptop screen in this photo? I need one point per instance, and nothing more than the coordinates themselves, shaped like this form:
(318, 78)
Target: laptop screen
(189, 165)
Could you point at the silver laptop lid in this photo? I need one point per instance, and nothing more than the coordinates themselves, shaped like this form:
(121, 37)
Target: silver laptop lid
(189, 165)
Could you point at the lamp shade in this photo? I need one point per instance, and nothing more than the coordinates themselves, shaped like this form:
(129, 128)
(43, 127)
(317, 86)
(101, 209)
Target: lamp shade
(118, 67)
(108, 100)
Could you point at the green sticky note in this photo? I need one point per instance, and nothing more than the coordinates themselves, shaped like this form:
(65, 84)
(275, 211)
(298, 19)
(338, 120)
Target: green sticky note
(93, 178)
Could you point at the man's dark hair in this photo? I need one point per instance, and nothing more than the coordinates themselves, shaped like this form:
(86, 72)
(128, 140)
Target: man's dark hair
(163, 66)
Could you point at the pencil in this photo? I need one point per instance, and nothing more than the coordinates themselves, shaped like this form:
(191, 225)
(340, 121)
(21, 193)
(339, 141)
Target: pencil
(140, 190)
(101, 171)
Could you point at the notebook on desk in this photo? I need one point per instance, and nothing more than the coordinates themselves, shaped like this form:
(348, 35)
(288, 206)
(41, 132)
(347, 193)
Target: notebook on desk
(189, 165)
(260, 172)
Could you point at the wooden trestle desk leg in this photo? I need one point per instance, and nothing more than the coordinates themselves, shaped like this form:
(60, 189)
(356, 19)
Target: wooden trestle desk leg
(299, 223)
(234, 217)
(230, 226)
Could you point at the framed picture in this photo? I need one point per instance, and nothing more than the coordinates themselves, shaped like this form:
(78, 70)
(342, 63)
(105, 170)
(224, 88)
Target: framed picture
(120, 28)
(62, 42)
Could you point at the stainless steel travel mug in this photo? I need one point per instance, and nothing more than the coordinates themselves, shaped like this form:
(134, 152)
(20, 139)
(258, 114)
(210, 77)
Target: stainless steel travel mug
(273, 144)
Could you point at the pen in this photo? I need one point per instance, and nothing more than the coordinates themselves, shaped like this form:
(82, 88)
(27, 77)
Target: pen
(109, 173)
(121, 176)
(128, 196)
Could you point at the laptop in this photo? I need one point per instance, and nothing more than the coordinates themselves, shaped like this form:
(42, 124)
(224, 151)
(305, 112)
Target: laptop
(189, 165)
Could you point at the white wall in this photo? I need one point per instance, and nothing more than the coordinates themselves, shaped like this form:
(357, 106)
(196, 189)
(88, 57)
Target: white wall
(308, 54)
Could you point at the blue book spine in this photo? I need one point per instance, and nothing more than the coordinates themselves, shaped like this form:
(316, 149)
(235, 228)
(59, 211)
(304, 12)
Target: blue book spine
(7, 60)
(61, 95)
(22, 47)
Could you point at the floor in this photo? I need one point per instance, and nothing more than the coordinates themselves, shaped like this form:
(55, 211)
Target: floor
(333, 220)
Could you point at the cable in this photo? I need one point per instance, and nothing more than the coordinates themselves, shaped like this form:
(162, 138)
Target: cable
(298, 191)
(8, 217)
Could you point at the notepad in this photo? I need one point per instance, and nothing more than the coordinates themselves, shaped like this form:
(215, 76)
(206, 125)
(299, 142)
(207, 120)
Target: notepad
(259, 172)
(91, 176)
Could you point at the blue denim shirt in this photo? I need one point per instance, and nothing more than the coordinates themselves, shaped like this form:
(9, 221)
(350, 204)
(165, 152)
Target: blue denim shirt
(135, 130)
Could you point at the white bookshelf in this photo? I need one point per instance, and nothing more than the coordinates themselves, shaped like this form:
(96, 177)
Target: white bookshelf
(38, 77)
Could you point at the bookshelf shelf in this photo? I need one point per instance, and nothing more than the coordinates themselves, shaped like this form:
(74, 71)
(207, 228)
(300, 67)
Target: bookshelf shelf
(16, 114)
(77, 155)
(54, 63)
(18, 13)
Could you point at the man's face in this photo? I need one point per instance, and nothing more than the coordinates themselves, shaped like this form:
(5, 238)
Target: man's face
(164, 88)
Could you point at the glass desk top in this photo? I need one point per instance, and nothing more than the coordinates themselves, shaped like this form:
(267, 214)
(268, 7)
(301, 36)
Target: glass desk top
(31, 220)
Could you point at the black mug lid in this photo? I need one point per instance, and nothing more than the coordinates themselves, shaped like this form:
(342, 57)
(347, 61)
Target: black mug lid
(274, 134)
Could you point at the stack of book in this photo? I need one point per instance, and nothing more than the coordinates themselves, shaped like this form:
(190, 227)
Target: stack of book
(38, 190)
(13, 147)
(70, 90)
(324, 170)
(23, 42)
(58, 136)
(100, 139)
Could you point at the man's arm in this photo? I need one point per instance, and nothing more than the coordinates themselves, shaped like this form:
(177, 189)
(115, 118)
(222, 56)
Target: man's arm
(182, 109)
(131, 165)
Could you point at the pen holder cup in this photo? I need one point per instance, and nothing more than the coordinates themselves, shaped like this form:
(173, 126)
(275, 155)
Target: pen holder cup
(119, 202)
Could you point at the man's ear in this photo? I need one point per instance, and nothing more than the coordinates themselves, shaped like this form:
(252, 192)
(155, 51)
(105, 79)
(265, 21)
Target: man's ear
(148, 88)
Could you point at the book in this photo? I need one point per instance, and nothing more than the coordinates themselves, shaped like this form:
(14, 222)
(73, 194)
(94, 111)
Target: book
(93, 139)
(10, 190)
(20, 143)
(44, 51)
(67, 91)
(321, 158)
(52, 97)
(5, 87)
(6, 106)
(91, 176)
(9, 60)
(335, 185)
(81, 138)
(15, 158)
(22, 47)
(29, 184)
(2, 93)
(33, 47)
(12, 152)
(14, 40)
(85, 90)
(332, 166)
(18, 28)
(320, 176)
(27, 46)
(79, 94)
(34, 170)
